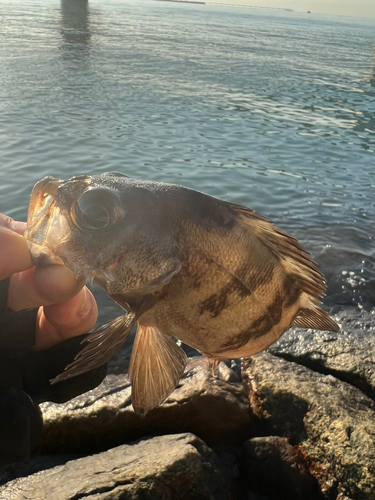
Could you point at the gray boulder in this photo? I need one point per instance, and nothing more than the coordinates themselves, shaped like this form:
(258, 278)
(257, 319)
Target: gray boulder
(216, 409)
(348, 355)
(162, 468)
(331, 422)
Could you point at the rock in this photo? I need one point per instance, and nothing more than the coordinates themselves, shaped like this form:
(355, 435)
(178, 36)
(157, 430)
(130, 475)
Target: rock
(32, 465)
(348, 355)
(332, 422)
(214, 408)
(162, 468)
(271, 466)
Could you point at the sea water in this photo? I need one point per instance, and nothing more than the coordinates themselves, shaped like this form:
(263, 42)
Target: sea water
(271, 109)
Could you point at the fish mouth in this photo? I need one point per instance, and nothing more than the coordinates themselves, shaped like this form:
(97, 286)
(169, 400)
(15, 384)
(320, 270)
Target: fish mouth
(47, 228)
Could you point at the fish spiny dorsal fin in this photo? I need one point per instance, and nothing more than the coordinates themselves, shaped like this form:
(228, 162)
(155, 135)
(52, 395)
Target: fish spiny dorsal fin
(100, 346)
(156, 366)
(294, 258)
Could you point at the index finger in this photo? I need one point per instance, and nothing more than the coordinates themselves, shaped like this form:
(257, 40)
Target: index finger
(14, 252)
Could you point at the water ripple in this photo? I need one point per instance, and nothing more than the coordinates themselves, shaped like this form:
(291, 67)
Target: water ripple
(269, 109)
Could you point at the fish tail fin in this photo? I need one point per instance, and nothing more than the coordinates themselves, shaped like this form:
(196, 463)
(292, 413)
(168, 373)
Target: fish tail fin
(156, 366)
(100, 346)
(314, 317)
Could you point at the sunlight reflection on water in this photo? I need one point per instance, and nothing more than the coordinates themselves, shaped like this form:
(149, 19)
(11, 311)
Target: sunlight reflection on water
(269, 109)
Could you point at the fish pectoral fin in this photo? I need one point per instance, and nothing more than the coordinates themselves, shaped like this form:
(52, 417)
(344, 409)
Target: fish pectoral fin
(156, 366)
(315, 318)
(100, 346)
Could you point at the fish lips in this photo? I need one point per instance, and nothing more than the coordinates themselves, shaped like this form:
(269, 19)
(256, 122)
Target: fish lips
(47, 228)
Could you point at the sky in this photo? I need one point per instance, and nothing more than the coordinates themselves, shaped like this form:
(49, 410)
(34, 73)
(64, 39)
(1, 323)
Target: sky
(362, 8)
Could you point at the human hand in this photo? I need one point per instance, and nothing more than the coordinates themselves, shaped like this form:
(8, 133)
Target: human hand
(66, 307)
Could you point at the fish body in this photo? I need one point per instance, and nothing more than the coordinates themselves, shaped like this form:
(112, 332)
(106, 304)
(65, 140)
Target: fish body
(215, 275)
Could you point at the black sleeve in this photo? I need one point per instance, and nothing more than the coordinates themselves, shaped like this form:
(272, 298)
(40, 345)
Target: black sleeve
(41, 366)
(20, 418)
(31, 371)
(17, 329)
(25, 379)
(20, 426)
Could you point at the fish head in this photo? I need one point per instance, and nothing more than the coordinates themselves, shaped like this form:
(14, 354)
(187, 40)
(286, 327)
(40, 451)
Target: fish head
(105, 228)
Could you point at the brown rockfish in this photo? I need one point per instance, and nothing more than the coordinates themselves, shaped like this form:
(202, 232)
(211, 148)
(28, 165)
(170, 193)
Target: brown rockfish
(215, 275)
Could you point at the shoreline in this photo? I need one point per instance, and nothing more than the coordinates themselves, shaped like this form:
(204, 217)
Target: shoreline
(227, 5)
(182, 1)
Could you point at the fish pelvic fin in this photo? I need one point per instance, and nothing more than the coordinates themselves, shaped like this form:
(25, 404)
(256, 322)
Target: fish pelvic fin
(100, 346)
(156, 366)
(315, 318)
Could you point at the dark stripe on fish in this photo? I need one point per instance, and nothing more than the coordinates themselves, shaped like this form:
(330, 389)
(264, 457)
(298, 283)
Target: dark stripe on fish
(215, 303)
(258, 328)
(241, 284)
(291, 290)
(196, 265)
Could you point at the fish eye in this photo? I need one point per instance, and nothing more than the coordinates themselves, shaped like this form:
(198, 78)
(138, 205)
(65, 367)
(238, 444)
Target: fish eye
(96, 209)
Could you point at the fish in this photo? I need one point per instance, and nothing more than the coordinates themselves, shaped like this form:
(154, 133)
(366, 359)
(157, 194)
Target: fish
(185, 267)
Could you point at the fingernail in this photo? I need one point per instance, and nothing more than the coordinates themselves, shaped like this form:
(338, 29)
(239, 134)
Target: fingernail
(14, 225)
(18, 226)
(87, 304)
(6, 221)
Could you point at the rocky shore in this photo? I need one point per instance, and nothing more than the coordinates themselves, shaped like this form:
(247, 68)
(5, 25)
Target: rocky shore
(296, 422)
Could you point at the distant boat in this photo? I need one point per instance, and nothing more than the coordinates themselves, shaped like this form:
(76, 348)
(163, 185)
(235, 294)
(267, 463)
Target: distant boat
(309, 12)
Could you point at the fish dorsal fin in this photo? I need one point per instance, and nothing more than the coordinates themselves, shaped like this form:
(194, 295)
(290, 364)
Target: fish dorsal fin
(100, 346)
(297, 264)
(315, 318)
(156, 366)
(294, 258)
